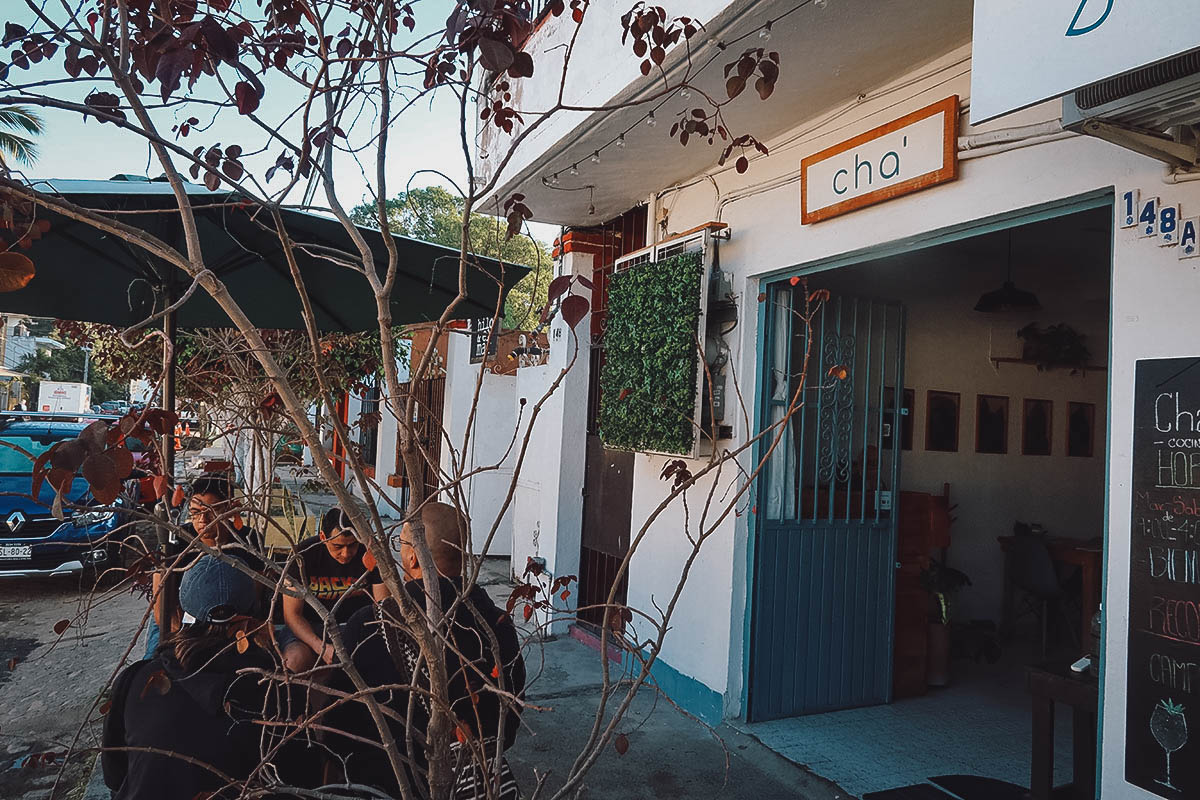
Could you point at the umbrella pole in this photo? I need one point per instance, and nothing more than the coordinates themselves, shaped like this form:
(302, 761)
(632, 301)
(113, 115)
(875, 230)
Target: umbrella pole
(168, 595)
(168, 394)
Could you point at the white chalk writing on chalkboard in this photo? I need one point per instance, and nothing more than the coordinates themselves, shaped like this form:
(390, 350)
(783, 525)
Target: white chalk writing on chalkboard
(1164, 578)
(1174, 674)
(1168, 726)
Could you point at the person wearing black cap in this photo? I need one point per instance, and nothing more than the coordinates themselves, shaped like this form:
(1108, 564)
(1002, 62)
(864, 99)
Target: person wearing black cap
(335, 569)
(183, 724)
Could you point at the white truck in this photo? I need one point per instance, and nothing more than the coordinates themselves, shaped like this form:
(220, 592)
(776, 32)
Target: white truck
(64, 397)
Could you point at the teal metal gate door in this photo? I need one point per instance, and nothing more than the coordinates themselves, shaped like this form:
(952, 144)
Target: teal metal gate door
(825, 542)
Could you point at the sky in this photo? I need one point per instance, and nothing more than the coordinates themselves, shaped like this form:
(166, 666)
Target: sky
(425, 138)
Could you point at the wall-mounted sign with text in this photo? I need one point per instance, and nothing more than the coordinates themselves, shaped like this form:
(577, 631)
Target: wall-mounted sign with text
(906, 155)
(1027, 51)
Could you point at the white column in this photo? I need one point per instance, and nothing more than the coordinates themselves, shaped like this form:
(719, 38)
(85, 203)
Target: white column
(549, 515)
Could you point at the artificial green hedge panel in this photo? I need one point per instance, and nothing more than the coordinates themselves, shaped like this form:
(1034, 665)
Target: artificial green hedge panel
(648, 383)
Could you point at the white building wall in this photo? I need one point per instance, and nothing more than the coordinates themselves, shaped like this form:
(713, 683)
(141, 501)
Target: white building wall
(698, 643)
(1152, 317)
(489, 451)
(547, 518)
(535, 498)
(389, 498)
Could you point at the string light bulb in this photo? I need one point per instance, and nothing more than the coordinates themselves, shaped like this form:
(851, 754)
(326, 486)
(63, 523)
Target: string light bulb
(621, 142)
(820, 3)
(650, 120)
(685, 93)
(765, 33)
(574, 170)
(595, 159)
(591, 209)
(554, 179)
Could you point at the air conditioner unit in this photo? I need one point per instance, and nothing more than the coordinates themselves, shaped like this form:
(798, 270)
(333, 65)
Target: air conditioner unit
(1154, 110)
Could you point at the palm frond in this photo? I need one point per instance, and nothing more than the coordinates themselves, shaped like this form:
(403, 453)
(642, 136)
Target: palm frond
(21, 117)
(13, 121)
(22, 150)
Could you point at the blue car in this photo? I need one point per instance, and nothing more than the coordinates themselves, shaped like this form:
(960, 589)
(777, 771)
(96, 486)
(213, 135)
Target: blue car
(32, 541)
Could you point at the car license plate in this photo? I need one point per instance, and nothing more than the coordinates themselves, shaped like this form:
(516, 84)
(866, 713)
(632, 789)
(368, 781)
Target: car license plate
(11, 552)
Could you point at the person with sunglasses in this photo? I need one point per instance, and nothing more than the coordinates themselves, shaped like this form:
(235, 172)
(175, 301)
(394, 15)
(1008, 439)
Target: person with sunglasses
(212, 521)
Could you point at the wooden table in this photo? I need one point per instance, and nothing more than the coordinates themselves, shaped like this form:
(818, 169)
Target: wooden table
(1048, 684)
(1088, 557)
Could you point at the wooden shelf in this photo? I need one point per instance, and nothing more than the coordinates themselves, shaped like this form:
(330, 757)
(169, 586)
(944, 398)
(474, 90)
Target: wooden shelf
(997, 361)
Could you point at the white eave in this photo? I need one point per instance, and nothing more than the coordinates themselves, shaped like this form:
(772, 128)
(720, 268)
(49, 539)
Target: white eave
(827, 56)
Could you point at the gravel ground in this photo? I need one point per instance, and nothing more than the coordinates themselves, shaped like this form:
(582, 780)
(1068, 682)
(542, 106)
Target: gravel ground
(49, 683)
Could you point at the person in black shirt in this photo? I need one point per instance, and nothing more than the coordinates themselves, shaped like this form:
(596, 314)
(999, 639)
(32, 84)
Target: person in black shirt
(331, 567)
(184, 724)
(386, 654)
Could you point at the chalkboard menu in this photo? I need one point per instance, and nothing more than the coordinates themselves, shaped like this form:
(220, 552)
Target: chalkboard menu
(1162, 744)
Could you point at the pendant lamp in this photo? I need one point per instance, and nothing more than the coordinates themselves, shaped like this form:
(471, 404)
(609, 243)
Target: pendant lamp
(1008, 297)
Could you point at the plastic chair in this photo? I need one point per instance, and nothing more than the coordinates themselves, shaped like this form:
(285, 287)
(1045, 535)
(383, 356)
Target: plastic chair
(1032, 570)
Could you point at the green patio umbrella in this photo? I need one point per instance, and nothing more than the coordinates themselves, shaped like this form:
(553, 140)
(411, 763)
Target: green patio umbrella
(87, 275)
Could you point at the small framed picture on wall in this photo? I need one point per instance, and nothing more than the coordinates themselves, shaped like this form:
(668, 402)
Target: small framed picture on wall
(1036, 428)
(1081, 430)
(941, 421)
(991, 424)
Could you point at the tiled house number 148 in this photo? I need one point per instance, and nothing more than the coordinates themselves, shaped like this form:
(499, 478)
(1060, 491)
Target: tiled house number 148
(1163, 223)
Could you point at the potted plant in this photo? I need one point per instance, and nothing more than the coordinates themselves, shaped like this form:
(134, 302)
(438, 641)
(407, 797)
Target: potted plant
(1054, 346)
(942, 583)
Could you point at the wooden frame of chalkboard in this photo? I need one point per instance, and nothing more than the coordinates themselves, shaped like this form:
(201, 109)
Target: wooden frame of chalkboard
(1037, 427)
(1162, 750)
(1081, 430)
(991, 424)
(942, 418)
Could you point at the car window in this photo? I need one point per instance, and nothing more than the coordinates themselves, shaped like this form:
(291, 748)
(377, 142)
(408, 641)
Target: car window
(14, 461)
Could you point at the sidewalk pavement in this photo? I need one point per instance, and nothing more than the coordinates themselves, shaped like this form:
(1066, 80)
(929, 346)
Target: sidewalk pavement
(669, 756)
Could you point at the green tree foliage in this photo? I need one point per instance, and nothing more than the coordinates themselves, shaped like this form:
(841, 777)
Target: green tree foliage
(216, 362)
(434, 215)
(67, 365)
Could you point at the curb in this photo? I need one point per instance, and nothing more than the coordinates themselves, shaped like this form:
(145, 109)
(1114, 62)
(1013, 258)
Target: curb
(95, 789)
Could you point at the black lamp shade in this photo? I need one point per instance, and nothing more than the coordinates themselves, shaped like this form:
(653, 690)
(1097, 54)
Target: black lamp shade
(1008, 298)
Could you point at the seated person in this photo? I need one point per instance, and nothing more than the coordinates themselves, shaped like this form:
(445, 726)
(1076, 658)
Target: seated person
(331, 567)
(386, 654)
(213, 523)
(190, 701)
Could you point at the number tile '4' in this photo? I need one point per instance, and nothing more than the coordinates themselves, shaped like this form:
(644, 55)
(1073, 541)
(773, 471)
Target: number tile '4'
(1148, 218)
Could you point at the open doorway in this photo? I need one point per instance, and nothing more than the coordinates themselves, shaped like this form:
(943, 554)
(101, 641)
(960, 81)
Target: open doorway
(992, 424)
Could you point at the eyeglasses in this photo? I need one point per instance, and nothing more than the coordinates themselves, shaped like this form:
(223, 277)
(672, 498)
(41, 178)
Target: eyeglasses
(202, 514)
